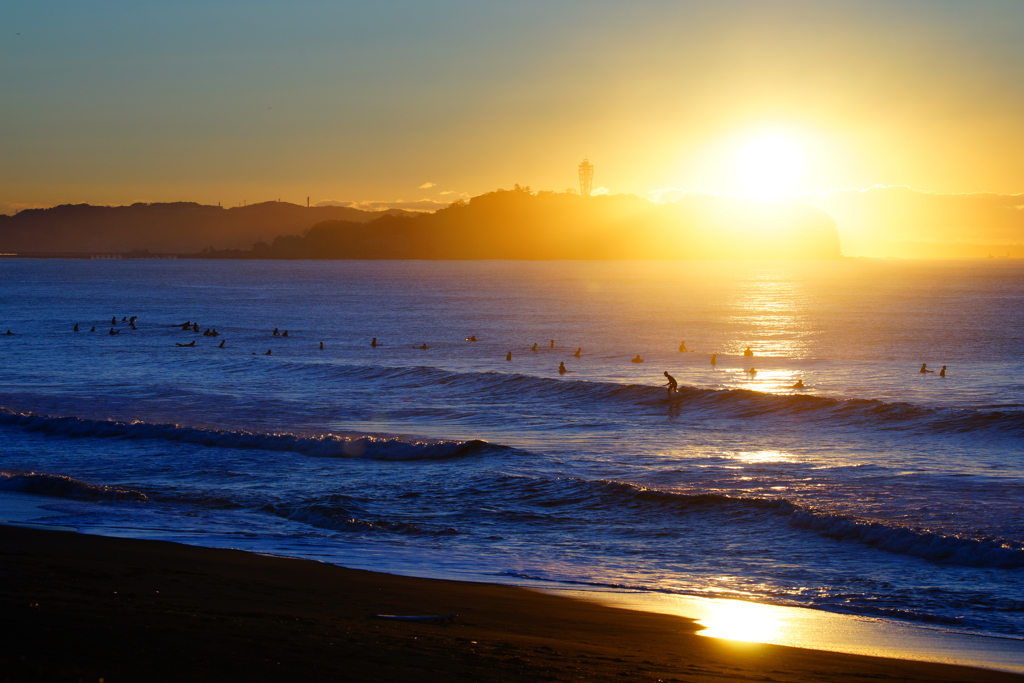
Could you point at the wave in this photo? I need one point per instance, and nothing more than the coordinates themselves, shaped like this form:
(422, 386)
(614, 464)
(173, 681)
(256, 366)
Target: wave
(65, 487)
(329, 445)
(620, 497)
(337, 514)
(712, 403)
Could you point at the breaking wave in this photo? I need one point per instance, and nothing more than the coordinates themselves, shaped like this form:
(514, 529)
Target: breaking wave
(65, 487)
(329, 445)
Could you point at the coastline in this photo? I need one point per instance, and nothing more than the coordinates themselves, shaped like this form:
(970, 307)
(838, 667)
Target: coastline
(85, 607)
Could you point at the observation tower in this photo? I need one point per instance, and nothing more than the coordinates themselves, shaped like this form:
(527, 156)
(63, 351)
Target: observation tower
(586, 177)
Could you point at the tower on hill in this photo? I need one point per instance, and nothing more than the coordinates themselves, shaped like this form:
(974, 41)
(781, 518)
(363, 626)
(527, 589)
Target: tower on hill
(586, 177)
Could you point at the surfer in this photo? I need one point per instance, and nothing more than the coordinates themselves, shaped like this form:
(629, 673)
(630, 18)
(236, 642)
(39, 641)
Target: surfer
(534, 347)
(191, 343)
(195, 327)
(924, 368)
(508, 356)
(76, 327)
(113, 320)
(672, 385)
(578, 352)
(748, 353)
(799, 384)
(552, 343)
(714, 359)
(942, 372)
(112, 331)
(752, 371)
(276, 332)
(561, 368)
(285, 333)
(221, 346)
(269, 353)
(682, 347)
(93, 329)
(374, 343)
(9, 334)
(473, 338)
(638, 359)
(424, 347)
(321, 346)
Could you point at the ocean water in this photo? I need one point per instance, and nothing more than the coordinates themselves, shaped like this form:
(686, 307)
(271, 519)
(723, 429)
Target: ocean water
(877, 490)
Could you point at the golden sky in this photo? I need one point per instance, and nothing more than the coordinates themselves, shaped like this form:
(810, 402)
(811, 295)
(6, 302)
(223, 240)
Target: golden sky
(420, 103)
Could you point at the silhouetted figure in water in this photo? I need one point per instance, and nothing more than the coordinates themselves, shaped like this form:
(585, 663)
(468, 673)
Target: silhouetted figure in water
(424, 347)
(206, 332)
(509, 356)
(195, 327)
(942, 372)
(672, 384)
(133, 326)
(534, 347)
(133, 318)
(124, 319)
(76, 327)
(748, 353)
(187, 326)
(221, 345)
(285, 333)
(752, 371)
(11, 334)
(113, 320)
(473, 338)
(269, 353)
(321, 346)
(578, 352)
(924, 368)
(714, 359)
(93, 329)
(374, 343)
(638, 359)
(113, 331)
(561, 368)
(214, 332)
(682, 347)
(799, 384)
(552, 343)
(276, 332)
(191, 343)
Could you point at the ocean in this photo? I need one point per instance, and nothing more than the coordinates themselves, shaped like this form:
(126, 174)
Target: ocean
(876, 490)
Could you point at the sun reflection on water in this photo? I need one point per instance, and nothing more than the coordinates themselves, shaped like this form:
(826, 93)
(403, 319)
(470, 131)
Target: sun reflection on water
(737, 620)
(762, 456)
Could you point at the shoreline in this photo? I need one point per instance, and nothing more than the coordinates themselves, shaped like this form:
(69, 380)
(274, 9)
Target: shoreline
(79, 606)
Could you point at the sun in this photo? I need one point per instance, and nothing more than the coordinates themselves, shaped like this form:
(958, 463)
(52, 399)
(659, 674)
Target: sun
(769, 167)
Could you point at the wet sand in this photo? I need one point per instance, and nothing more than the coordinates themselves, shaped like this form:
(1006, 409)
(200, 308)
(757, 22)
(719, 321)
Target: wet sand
(76, 607)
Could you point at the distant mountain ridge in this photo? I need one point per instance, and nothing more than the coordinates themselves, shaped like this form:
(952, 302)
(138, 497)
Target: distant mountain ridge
(505, 224)
(176, 227)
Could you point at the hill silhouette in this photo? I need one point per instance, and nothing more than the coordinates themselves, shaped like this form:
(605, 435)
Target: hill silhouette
(519, 224)
(505, 224)
(178, 227)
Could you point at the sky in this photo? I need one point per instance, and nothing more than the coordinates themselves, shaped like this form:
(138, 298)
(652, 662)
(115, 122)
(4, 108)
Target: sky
(413, 103)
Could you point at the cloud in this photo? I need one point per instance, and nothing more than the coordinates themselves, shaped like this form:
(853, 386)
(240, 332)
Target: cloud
(426, 186)
(427, 205)
(600, 190)
(448, 192)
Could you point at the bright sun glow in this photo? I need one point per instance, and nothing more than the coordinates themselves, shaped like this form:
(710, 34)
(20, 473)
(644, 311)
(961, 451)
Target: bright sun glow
(770, 167)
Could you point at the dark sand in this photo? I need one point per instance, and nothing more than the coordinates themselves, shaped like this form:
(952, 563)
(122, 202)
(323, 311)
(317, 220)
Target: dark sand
(76, 607)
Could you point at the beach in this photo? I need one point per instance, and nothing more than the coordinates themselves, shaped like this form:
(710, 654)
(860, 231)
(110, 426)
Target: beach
(80, 607)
